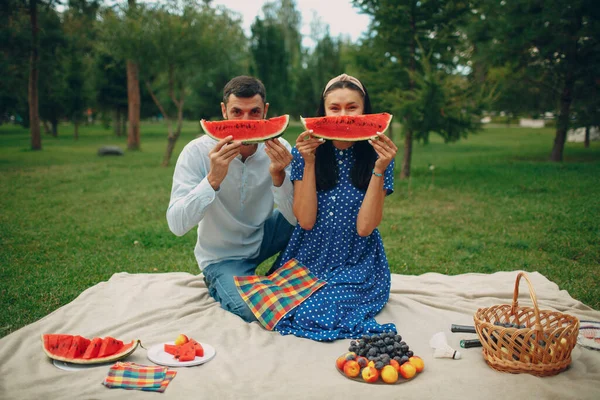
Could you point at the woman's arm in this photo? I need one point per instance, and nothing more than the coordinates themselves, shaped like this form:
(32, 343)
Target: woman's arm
(371, 210)
(305, 190)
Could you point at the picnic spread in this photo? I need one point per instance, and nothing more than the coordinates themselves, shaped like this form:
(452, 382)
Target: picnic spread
(250, 362)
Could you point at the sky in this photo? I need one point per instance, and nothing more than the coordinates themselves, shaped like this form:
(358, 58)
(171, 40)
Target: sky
(340, 15)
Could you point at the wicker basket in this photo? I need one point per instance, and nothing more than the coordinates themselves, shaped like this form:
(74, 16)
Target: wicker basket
(540, 343)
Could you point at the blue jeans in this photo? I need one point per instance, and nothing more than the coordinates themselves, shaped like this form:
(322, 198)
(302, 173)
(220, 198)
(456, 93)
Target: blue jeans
(219, 276)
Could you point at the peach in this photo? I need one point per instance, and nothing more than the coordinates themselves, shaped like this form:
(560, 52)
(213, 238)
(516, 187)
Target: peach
(395, 364)
(181, 339)
(341, 360)
(389, 374)
(417, 362)
(351, 369)
(370, 374)
(407, 370)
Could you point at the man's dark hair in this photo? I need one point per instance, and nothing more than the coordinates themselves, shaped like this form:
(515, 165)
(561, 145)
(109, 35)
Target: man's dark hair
(244, 86)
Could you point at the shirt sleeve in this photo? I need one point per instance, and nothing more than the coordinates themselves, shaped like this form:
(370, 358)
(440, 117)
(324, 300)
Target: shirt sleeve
(284, 194)
(388, 178)
(297, 165)
(191, 193)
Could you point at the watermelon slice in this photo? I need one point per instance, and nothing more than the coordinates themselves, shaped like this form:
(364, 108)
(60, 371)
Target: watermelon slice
(172, 349)
(198, 347)
(79, 350)
(187, 352)
(247, 131)
(78, 346)
(349, 128)
(93, 348)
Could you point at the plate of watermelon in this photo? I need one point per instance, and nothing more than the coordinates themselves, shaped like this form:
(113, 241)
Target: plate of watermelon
(74, 349)
(181, 353)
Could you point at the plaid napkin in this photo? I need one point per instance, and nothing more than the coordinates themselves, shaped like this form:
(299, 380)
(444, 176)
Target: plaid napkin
(128, 375)
(271, 297)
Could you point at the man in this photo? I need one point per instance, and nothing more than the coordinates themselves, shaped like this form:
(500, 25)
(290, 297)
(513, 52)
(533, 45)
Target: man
(227, 189)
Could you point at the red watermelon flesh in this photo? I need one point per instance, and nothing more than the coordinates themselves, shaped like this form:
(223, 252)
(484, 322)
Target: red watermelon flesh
(172, 349)
(248, 131)
(109, 346)
(348, 127)
(93, 348)
(198, 347)
(187, 352)
(64, 344)
(78, 346)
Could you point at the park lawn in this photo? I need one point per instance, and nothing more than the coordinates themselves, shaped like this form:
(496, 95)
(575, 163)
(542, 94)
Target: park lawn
(70, 219)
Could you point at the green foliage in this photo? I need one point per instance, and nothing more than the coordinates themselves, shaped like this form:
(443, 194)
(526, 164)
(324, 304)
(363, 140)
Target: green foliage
(495, 205)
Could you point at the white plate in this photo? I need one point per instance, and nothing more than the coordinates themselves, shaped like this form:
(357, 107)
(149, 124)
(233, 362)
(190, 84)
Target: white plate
(66, 366)
(589, 334)
(158, 355)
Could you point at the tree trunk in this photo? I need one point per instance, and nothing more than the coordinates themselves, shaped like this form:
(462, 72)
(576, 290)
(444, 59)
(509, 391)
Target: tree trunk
(405, 172)
(54, 123)
(117, 122)
(408, 136)
(34, 116)
(172, 139)
(47, 130)
(76, 130)
(586, 142)
(563, 118)
(133, 99)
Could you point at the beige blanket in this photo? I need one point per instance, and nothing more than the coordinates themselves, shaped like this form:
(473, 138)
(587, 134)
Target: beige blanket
(252, 363)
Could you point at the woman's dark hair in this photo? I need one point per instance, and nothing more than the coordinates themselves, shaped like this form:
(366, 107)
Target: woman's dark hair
(326, 167)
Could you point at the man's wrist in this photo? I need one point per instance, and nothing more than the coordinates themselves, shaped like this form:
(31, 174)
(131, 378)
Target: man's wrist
(278, 178)
(212, 182)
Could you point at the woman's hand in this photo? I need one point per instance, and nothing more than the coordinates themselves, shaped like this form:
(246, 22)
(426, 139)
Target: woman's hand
(307, 146)
(385, 149)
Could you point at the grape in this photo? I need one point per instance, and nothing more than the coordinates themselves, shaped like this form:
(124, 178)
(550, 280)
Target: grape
(409, 353)
(398, 338)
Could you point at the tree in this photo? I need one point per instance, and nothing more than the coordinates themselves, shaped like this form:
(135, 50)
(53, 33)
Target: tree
(34, 116)
(556, 39)
(403, 33)
(133, 93)
(110, 85)
(276, 49)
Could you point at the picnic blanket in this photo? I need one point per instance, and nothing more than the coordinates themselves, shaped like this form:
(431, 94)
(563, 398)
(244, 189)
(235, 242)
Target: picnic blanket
(253, 363)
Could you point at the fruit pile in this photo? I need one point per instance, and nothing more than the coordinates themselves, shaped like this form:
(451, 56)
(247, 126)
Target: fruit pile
(184, 348)
(384, 355)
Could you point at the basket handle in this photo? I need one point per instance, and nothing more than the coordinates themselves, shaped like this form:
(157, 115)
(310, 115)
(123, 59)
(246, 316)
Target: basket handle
(515, 303)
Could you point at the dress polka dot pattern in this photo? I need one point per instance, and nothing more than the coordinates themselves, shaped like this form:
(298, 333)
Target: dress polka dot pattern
(355, 268)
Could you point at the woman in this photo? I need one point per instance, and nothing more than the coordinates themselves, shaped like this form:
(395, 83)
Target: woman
(339, 191)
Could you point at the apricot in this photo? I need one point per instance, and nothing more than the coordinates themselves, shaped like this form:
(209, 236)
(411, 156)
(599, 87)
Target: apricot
(341, 360)
(181, 339)
(351, 369)
(389, 374)
(407, 370)
(370, 374)
(417, 362)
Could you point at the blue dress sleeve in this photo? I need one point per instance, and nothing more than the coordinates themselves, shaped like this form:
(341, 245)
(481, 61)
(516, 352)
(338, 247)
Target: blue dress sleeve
(388, 178)
(297, 166)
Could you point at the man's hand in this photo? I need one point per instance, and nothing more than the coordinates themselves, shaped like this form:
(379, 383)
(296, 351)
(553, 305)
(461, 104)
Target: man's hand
(220, 158)
(280, 158)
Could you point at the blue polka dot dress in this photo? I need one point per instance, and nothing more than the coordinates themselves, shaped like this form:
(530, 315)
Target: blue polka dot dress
(355, 268)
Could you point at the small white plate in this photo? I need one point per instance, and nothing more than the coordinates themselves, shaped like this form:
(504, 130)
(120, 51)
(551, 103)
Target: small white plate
(158, 355)
(589, 334)
(66, 366)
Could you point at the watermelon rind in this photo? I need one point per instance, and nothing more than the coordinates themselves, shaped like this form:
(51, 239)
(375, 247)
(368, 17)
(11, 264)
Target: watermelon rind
(127, 350)
(352, 133)
(274, 128)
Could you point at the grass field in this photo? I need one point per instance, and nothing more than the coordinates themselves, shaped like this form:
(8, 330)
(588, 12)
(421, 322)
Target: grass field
(70, 219)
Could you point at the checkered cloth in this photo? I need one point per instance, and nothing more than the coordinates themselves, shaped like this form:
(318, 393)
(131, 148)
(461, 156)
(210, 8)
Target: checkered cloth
(128, 375)
(271, 297)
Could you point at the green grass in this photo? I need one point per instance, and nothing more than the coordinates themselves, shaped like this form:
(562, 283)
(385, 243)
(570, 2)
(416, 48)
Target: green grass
(70, 219)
